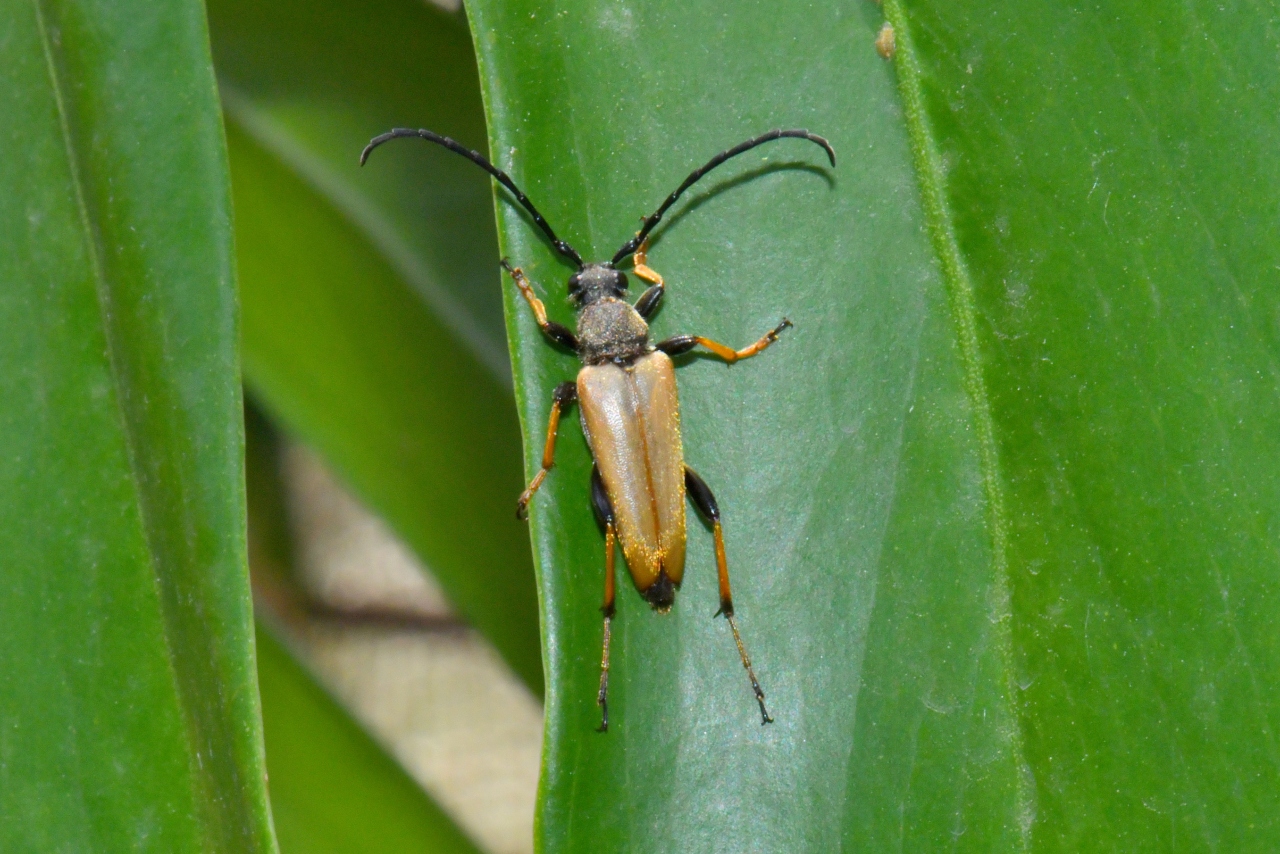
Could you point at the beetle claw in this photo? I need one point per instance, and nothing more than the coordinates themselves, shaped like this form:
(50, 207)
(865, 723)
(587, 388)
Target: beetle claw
(604, 717)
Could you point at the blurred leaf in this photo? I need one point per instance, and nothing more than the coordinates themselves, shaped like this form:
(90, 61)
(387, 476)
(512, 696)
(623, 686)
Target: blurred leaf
(332, 788)
(270, 538)
(1001, 509)
(128, 707)
(372, 324)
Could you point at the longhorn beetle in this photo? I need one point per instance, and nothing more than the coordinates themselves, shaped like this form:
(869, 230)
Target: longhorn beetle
(626, 392)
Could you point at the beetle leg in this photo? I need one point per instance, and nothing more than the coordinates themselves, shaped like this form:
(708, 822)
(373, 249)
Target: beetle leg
(565, 394)
(702, 498)
(604, 515)
(648, 302)
(684, 343)
(555, 331)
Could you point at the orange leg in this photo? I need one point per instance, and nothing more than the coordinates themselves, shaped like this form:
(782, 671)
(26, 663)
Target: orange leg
(564, 394)
(726, 608)
(642, 268)
(648, 302)
(684, 343)
(555, 331)
(702, 498)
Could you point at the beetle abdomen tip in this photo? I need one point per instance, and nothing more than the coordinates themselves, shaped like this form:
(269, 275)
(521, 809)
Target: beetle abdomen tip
(661, 594)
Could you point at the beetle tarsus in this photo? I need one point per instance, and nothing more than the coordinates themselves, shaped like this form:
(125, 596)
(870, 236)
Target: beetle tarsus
(604, 514)
(758, 347)
(765, 718)
(746, 664)
(522, 503)
(602, 698)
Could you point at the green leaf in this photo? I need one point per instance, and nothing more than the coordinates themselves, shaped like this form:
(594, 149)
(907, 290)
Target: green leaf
(1000, 509)
(372, 325)
(1111, 190)
(842, 458)
(332, 788)
(128, 707)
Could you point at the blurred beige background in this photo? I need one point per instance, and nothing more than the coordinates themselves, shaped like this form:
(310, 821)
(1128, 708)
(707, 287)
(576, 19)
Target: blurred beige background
(379, 634)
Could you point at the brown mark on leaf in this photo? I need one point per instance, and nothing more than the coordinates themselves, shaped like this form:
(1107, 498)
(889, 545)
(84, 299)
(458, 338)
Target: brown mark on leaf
(886, 44)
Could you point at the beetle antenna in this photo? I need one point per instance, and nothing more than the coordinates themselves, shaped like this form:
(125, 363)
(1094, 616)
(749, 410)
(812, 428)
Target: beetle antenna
(653, 219)
(479, 159)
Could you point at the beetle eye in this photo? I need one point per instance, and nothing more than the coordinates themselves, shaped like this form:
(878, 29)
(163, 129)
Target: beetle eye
(575, 286)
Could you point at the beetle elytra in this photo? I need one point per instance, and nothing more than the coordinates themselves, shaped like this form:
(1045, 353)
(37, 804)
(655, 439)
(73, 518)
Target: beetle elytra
(630, 410)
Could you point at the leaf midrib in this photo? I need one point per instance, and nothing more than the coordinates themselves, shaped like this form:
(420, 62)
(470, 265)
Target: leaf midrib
(955, 274)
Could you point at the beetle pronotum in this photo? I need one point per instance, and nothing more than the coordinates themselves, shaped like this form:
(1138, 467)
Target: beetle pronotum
(630, 410)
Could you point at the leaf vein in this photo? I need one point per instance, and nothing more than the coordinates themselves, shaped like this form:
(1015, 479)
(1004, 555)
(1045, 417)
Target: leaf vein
(960, 295)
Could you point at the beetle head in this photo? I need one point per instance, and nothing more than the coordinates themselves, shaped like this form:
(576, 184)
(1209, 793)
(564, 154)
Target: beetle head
(596, 281)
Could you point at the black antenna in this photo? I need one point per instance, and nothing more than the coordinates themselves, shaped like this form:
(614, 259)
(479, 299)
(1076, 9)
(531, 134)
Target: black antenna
(653, 219)
(477, 158)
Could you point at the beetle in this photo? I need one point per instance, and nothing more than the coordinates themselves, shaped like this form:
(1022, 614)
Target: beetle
(629, 406)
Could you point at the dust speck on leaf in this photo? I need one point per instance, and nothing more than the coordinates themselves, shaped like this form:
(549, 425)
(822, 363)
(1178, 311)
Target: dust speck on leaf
(886, 42)
(618, 19)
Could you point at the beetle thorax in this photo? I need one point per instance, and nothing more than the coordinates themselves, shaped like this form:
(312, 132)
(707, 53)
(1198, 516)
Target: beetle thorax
(610, 330)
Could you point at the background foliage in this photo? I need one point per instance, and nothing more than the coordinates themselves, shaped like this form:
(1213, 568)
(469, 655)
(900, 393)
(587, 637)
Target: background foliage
(128, 704)
(372, 327)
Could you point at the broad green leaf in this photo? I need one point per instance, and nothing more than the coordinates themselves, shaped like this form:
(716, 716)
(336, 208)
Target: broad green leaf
(843, 458)
(1110, 174)
(372, 324)
(1000, 509)
(332, 788)
(128, 704)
